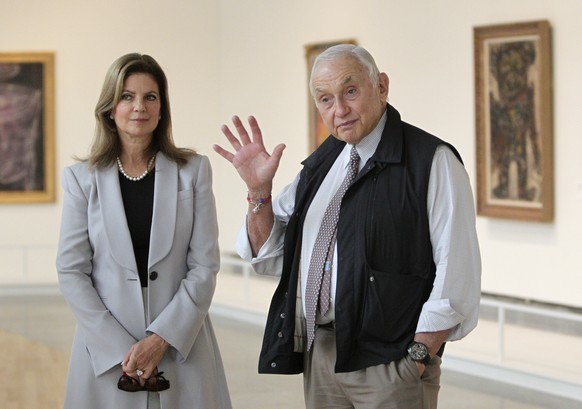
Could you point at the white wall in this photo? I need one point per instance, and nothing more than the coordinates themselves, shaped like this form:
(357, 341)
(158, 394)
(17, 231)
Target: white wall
(426, 47)
(86, 36)
(247, 57)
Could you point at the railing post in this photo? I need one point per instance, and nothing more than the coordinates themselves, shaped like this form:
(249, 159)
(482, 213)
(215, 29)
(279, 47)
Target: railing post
(501, 334)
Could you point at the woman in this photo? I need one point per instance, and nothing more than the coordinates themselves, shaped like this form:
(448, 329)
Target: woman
(138, 256)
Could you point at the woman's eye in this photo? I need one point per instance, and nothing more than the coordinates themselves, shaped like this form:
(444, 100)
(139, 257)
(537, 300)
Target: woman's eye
(126, 97)
(152, 97)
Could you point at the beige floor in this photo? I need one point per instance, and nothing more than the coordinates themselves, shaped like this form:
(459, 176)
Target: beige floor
(35, 334)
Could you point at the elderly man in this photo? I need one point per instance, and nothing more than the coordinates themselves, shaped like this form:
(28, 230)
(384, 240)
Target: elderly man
(374, 241)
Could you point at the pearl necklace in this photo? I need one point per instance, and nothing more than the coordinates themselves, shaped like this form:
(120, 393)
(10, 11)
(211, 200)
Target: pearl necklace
(136, 178)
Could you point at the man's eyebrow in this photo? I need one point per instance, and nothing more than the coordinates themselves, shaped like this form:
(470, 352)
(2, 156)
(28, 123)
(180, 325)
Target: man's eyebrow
(347, 80)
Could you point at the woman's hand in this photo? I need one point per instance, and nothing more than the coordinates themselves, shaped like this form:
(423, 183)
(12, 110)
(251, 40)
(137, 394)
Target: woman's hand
(253, 163)
(144, 356)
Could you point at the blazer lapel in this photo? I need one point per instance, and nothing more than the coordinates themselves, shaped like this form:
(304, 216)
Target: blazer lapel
(114, 220)
(165, 205)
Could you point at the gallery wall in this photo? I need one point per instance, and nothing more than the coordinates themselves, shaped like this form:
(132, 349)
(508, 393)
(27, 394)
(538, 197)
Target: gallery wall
(426, 48)
(86, 37)
(247, 57)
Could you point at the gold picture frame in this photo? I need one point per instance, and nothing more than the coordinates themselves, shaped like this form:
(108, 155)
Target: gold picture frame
(317, 130)
(27, 127)
(513, 103)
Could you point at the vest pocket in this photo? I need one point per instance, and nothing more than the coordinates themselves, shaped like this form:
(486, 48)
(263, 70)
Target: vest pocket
(392, 305)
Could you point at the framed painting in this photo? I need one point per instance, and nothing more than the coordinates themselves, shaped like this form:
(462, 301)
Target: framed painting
(27, 127)
(317, 130)
(513, 103)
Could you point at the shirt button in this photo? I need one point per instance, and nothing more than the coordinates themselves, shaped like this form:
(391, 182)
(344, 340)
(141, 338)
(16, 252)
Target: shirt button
(153, 275)
(282, 315)
(273, 364)
(280, 334)
(372, 278)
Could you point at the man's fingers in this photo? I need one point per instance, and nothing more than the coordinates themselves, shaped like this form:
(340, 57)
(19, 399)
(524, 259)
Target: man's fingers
(243, 135)
(231, 138)
(241, 130)
(256, 130)
(223, 152)
(278, 152)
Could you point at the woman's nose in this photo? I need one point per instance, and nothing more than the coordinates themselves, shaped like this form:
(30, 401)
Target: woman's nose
(139, 105)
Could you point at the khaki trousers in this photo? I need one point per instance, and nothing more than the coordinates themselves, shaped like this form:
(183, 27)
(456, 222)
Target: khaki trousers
(392, 386)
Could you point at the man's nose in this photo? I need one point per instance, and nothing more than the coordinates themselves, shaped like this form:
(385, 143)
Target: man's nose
(341, 108)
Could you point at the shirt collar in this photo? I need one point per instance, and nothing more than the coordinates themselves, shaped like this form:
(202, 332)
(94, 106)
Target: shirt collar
(367, 145)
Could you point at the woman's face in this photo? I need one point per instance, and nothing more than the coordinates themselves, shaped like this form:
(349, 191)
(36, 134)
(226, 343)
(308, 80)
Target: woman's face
(137, 113)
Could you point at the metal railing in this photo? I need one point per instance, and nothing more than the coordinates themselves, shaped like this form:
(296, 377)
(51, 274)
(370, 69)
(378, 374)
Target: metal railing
(24, 254)
(563, 313)
(502, 304)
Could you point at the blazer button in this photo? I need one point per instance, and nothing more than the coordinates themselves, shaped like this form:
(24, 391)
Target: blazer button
(153, 275)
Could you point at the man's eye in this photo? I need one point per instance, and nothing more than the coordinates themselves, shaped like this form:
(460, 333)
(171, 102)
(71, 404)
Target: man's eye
(326, 101)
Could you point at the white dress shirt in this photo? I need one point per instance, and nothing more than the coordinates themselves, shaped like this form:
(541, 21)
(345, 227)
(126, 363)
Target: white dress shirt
(454, 300)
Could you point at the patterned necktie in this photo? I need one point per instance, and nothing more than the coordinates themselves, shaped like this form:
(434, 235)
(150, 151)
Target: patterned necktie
(322, 255)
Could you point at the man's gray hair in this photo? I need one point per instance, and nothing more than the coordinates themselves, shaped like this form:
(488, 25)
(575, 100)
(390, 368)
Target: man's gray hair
(362, 56)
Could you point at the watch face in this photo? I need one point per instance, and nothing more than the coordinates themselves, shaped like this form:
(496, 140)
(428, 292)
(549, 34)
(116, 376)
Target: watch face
(417, 351)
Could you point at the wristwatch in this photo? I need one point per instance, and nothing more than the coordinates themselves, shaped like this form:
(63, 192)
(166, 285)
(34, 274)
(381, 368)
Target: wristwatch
(418, 352)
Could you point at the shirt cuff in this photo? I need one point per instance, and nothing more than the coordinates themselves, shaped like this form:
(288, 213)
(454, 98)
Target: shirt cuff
(438, 315)
(269, 259)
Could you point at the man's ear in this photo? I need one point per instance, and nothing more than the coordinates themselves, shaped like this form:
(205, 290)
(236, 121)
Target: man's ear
(383, 85)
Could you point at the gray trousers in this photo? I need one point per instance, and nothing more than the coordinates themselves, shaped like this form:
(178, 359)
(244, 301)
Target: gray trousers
(393, 386)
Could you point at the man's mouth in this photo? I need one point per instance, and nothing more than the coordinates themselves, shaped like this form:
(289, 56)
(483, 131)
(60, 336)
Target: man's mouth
(346, 124)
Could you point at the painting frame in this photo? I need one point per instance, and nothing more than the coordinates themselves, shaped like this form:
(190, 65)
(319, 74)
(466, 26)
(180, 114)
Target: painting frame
(27, 126)
(317, 130)
(514, 121)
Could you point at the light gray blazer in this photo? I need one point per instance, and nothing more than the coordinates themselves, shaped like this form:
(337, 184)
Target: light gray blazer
(98, 277)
